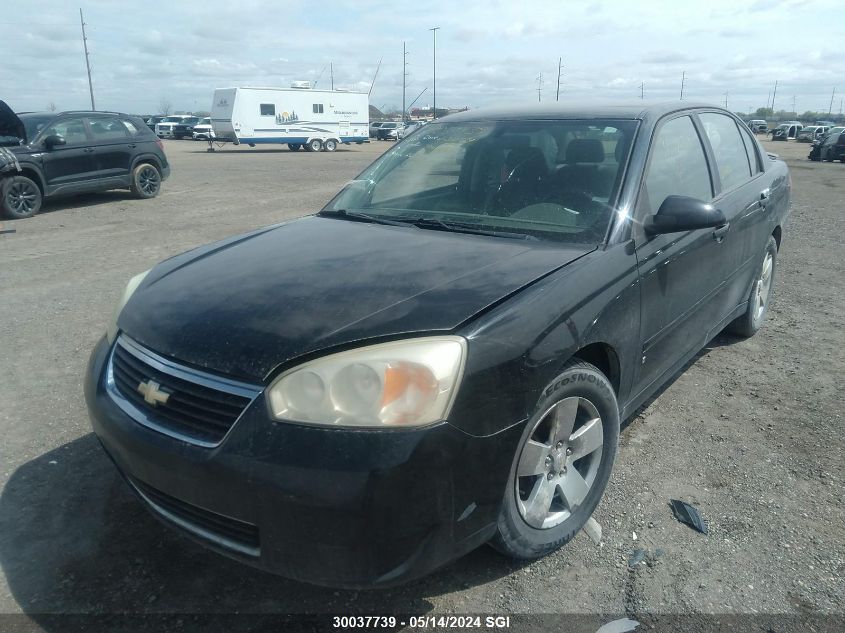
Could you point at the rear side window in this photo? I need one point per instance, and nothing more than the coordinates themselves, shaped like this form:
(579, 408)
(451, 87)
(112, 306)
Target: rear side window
(268, 109)
(728, 148)
(678, 166)
(750, 148)
(136, 127)
(107, 129)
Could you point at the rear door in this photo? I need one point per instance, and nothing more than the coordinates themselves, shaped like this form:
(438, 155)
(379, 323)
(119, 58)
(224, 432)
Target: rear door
(70, 166)
(742, 195)
(113, 148)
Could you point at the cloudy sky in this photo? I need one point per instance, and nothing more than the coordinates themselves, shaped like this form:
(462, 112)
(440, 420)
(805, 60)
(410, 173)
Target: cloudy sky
(488, 52)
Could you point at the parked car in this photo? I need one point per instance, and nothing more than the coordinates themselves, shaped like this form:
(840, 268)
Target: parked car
(374, 126)
(825, 123)
(831, 148)
(164, 128)
(410, 126)
(203, 131)
(153, 120)
(388, 130)
(758, 125)
(184, 128)
(75, 152)
(495, 298)
(786, 131)
(811, 133)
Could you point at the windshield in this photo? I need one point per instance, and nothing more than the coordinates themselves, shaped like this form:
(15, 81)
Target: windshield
(550, 179)
(34, 123)
(172, 119)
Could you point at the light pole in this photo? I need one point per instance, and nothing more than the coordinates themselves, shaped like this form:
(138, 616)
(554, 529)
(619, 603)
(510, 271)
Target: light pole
(434, 69)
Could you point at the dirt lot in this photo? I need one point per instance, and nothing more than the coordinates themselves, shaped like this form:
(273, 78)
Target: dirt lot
(751, 432)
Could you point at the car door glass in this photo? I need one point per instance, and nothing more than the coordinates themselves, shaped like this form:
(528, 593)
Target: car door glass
(72, 130)
(750, 148)
(728, 148)
(677, 167)
(107, 129)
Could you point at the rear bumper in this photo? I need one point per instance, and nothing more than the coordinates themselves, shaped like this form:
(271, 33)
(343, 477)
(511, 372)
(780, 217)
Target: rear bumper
(328, 506)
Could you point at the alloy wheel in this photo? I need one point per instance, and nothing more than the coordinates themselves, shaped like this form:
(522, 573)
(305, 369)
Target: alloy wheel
(763, 286)
(149, 180)
(23, 197)
(559, 462)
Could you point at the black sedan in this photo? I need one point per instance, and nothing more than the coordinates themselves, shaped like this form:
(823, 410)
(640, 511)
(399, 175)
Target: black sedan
(442, 356)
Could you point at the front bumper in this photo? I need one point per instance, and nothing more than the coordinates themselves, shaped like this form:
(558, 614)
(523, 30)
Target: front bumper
(335, 507)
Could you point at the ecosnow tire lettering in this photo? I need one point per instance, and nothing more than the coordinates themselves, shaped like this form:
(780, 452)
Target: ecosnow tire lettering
(562, 464)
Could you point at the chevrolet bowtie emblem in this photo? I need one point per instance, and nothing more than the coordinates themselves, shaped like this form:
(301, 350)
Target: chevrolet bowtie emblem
(152, 392)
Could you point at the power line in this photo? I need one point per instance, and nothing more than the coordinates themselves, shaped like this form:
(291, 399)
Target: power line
(373, 82)
(774, 94)
(830, 109)
(87, 63)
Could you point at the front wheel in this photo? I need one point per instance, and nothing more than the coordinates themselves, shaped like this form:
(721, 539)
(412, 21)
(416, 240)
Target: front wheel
(330, 145)
(761, 294)
(21, 197)
(146, 181)
(562, 464)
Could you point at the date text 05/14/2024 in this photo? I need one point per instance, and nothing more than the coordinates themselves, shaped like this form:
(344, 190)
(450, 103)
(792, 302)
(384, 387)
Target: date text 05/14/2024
(422, 622)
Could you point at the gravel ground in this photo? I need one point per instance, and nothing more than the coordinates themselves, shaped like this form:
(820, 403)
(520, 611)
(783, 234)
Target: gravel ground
(750, 432)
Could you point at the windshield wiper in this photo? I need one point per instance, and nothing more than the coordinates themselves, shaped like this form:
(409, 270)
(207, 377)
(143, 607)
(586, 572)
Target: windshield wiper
(463, 227)
(358, 217)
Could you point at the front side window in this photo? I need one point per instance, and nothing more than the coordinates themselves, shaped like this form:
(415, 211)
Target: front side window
(728, 148)
(678, 166)
(73, 131)
(550, 179)
(318, 108)
(268, 109)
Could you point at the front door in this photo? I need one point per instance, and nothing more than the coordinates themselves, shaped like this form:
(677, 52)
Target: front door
(679, 272)
(69, 166)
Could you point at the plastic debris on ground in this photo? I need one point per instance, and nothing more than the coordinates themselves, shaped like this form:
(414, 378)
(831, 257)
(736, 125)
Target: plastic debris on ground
(685, 513)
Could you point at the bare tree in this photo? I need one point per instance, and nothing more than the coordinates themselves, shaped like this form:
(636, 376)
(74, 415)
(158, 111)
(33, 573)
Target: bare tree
(164, 106)
(51, 107)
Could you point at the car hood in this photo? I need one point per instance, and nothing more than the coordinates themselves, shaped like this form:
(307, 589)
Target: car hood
(244, 306)
(10, 123)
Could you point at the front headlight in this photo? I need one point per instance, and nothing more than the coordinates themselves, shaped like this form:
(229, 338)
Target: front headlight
(398, 384)
(131, 287)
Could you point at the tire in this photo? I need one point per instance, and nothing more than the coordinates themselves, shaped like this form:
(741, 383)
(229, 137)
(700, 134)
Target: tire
(760, 296)
(294, 147)
(314, 145)
(22, 197)
(146, 181)
(580, 397)
(330, 145)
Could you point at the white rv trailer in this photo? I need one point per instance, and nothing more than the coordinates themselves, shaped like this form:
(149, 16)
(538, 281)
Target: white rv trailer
(298, 116)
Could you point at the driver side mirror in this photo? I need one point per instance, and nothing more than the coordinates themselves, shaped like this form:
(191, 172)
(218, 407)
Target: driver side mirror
(54, 140)
(682, 213)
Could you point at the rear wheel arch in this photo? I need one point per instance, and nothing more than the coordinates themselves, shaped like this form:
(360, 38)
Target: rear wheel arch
(777, 234)
(152, 159)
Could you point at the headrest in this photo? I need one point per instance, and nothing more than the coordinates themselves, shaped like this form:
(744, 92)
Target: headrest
(585, 150)
(521, 155)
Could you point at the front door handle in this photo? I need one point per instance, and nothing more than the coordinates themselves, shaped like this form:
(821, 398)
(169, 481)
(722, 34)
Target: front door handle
(720, 231)
(764, 195)
(132, 145)
(88, 150)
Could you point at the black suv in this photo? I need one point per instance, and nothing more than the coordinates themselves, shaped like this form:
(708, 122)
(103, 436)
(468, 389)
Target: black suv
(46, 154)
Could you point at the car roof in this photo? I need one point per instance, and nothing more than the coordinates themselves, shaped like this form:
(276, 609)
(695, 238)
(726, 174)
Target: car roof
(629, 110)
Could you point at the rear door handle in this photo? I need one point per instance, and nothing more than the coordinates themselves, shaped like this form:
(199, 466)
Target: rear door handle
(88, 150)
(132, 145)
(720, 231)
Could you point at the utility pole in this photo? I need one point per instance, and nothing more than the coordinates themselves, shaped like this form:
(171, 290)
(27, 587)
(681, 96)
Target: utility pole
(559, 66)
(434, 69)
(404, 76)
(683, 81)
(774, 95)
(642, 90)
(794, 111)
(726, 99)
(373, 83)
(87, 63)
(830, 109)
(539, 87)
(331, 72)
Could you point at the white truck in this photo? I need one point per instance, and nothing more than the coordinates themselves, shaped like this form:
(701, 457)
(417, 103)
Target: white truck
(300, 116)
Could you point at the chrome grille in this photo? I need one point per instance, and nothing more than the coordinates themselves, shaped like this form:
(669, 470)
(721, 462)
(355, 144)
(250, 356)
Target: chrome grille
(194, 406)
